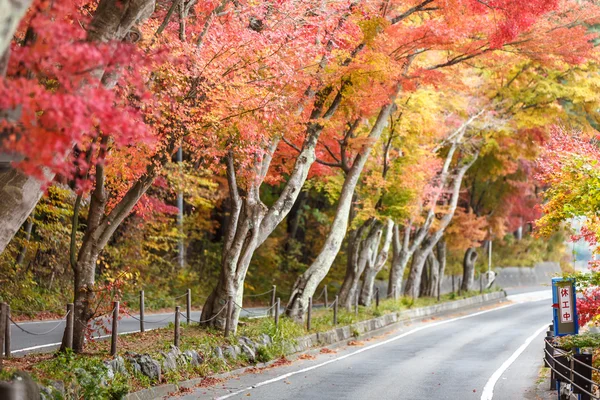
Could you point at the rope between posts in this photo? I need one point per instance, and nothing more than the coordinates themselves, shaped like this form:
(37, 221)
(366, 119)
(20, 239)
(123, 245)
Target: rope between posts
(206, 320)
(39, 333)
(253, 313)
(178, 297)
(333, 303)
(259, 294)
(321, 295)
(146, 321)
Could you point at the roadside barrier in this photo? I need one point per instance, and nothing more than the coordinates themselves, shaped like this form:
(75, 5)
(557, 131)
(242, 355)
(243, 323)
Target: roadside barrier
(115, 312)
(571, 373)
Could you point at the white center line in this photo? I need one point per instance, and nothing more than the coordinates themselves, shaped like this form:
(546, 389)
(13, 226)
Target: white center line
(488, 389)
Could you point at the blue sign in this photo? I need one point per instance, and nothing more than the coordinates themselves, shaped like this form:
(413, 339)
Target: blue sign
(565, 307)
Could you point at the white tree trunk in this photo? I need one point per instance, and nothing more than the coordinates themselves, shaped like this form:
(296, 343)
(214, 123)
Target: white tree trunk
(366, 294)
(414, 279)
(357, 263)
(307, 283)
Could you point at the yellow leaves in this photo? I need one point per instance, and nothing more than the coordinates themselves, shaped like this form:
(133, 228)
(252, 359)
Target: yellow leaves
(372, 27)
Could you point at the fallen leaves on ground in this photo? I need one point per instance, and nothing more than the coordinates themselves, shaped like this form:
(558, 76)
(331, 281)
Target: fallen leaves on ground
(356, 343)
(207, 382)
(325, 350)
(306, 357)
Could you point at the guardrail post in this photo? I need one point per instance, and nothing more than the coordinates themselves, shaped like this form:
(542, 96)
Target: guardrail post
(277, 303)
(335, 310)
(115, 329)
(69, 325)
(7, 333)
(273, 294)
(228, 313)
(376, 298)
(3, 320)
(326, 302)
(176, 338)
(188, 306)
(142, 310)
(308, 314)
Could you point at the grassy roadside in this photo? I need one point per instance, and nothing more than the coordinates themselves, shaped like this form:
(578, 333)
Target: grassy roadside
(85, 375)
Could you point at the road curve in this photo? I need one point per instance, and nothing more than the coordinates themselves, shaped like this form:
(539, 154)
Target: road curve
(452, 358)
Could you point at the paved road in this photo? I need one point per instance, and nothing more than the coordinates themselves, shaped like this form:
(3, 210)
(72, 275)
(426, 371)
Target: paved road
(456, 357)
(41, 340)
(44, 341)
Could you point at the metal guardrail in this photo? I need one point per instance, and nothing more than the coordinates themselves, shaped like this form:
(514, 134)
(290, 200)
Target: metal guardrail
(571, 373)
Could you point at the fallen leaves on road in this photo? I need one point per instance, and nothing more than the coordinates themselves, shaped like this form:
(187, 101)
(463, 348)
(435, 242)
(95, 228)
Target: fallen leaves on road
(325, 350)
(356, 343)
(210, 381)
(306, 357)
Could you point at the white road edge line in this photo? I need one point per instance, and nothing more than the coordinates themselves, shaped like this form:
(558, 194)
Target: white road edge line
(488, 389)
(432, 325)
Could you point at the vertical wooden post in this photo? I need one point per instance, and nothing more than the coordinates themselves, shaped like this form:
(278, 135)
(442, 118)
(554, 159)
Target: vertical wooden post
(2, 331)
(335, 310)
(356, 304)
(277, 303)
(480, 283)
(229, 311)
(273, 294)
(142, 311)
(309, 312)
(188, 306)
(69, 328)
(115, 329)
(452, 283)
(7, 333)
(376, 298)
(176, 339)
(326, 302)
(459, 286)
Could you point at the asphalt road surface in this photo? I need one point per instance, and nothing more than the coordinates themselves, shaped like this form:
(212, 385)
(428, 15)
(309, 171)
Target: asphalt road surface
(488, 353)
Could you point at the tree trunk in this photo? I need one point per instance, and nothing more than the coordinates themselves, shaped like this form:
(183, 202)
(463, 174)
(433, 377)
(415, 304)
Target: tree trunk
(441, 258)
(469, 269)
(99, 229)
(413, 283)
(11, 12)
(25, 245)
(366, 294)
(307, 283)
(251, 222)
(234, 266)
(113, 20)
(400, 257)
(434, 275)
(19, 194)
(357, 257)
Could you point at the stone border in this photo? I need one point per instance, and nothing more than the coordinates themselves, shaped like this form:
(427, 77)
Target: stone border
(335, 337)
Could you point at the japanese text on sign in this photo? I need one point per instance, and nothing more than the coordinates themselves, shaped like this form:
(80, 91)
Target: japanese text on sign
(564, 304)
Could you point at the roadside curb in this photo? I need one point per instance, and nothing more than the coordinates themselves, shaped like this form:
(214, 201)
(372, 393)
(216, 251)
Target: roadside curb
(336, 337)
